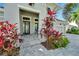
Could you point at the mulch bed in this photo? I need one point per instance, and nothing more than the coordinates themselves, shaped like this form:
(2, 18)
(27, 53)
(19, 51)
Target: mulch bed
(13, 52)
(45, 44)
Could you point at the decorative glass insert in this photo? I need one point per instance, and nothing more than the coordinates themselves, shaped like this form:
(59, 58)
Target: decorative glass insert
(36, 19)
(25, 18)
(31, 4)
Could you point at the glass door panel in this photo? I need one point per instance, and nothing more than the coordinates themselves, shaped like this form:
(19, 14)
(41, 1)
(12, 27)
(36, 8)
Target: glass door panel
(36, 27)
(26, 27)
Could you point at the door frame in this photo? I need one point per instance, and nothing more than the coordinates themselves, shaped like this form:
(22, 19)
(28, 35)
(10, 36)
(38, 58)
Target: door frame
(26, 21)
(36, 21)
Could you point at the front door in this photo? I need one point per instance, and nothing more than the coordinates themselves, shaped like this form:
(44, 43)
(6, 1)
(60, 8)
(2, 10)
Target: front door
(26, 27)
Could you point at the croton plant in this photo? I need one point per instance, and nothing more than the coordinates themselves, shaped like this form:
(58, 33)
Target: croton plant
(48, 30)
(53, 36)
(8, 36)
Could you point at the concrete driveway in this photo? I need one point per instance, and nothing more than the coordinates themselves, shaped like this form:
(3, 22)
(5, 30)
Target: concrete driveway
(32, 47)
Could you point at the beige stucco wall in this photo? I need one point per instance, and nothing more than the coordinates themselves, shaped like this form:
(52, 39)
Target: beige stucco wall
(41, 8)
(13, 14)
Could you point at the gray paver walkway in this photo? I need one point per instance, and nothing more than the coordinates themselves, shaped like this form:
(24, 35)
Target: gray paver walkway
(32, 47)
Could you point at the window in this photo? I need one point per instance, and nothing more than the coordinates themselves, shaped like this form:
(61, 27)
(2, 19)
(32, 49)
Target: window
(26, 18)
(31, 4)
(36, 19)
(1, 14)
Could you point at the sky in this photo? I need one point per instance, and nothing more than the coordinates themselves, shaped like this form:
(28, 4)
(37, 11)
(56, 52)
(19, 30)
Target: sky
(59, 12)
(1, 5)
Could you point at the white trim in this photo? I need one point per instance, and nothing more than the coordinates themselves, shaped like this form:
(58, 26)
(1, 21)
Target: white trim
(36, 18)
(29, 9)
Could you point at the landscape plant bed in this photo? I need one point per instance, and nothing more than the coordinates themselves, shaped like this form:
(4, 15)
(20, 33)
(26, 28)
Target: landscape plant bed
(77, 33)
(54, 38)
(46, 46)
(73, 33)
(73, 30)
(10, 52)
(54, 44)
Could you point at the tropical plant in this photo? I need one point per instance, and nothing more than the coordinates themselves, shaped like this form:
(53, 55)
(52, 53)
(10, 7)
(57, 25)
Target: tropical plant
(53, 36)
(73, 30)
(75, 16)
(63, 41)
(9, 38)
(69, 7)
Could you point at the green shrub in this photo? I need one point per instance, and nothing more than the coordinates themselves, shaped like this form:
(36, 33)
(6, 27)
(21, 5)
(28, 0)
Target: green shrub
(73, 30)
(62, 42)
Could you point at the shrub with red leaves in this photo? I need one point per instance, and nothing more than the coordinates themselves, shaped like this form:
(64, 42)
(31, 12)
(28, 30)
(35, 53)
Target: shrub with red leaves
(8, 36)
(54, 37)
(48, 30)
